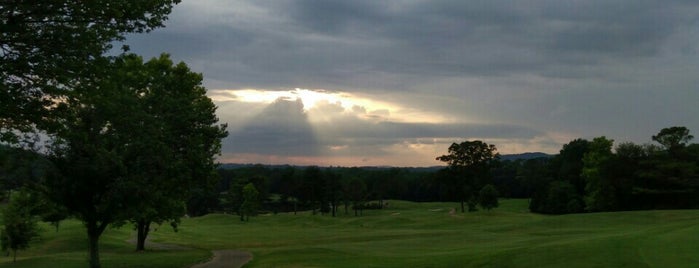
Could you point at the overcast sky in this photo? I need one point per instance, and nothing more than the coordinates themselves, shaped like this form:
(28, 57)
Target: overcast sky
(368, 82)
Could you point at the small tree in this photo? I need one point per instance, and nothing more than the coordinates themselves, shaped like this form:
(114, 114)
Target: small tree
(488, 197)
(19, 225)
(250, 202)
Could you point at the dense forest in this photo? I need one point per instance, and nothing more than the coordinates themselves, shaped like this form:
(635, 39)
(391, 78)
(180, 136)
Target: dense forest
(586, 176)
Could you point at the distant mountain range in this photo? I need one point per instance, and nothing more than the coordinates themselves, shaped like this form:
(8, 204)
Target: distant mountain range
(504, 157)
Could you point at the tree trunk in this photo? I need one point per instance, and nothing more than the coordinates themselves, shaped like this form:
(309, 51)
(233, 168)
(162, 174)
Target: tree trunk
(14, 255)
(93, 246)
(143, 228)
(295, 202)
(462, 206)
(94, 231)
(94, 251)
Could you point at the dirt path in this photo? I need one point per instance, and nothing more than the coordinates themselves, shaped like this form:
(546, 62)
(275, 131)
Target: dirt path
(227, 259)
(221, 259)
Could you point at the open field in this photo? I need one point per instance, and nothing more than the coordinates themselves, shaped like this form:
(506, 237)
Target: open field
(403, 235)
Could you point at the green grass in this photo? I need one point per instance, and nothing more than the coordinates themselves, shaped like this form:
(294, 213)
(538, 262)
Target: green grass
(404, 235)
(68, 248)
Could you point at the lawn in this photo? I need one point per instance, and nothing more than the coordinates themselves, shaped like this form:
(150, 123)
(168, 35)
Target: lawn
(404, 235)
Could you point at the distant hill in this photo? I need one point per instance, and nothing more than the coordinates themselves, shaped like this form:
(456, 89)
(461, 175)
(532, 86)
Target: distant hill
(510, 157)
(524, 156)
(411, 169)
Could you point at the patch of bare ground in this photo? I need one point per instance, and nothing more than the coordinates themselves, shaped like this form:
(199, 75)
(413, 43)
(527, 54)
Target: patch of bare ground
(221, 259)
(226, 259)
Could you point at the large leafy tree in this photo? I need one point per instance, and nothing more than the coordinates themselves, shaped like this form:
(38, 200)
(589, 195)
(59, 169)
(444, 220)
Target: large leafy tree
(599, 189)
(94, 130)
(569, 163)
(111, 173)
(472, 161)
(183, 125)
(45, 46)
(673, 139)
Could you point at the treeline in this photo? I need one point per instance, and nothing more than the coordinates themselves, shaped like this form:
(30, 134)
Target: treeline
(590, 176)
(586, 176)
(323, 190)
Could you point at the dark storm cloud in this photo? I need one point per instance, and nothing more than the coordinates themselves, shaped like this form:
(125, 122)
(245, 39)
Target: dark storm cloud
(282, 128)
(581, 68)
(341, 43)
(397, 132)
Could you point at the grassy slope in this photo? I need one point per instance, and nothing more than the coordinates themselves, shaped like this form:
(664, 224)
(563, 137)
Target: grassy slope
(68, 248)
(406, 235)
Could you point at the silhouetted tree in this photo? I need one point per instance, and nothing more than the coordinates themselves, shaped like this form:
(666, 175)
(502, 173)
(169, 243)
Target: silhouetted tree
(673, 139)
(471, 161)
(357, 192)
(314, 188)
(48, 47)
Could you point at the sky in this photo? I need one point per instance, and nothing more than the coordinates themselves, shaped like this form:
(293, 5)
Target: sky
(394, 83)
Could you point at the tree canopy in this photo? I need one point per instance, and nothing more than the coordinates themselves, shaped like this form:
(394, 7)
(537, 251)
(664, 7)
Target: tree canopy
(109, 173)
(673, 138)
(47, 46)
(469, 163)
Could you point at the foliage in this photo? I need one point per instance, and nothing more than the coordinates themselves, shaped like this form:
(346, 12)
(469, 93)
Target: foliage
(673, 138)
(562, 198)
(357, 192)
(19, 223)
(250, 202)
(600, 193)
(110, 173)
(469, 163)
(584, 176)
(179, 138)
(48, 46)
(488, 197)
(313, 189)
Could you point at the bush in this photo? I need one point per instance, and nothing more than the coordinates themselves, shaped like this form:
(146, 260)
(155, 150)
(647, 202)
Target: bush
(488, 197)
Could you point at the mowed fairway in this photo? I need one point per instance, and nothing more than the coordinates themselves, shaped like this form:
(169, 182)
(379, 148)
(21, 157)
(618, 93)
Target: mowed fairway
(403, 235)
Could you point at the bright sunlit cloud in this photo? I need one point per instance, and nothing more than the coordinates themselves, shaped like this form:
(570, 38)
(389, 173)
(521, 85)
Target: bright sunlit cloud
(363, 106)
(323, 127)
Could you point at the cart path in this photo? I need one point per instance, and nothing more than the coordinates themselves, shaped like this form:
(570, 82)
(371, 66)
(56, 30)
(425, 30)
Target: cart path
(227, 259)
